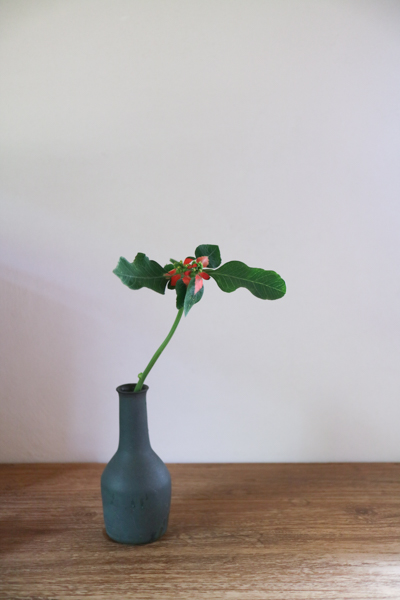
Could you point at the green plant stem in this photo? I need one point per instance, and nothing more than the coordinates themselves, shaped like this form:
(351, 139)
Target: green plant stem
(147, 370)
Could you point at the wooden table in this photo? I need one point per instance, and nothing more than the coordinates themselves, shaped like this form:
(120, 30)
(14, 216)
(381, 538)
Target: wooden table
(237, 531)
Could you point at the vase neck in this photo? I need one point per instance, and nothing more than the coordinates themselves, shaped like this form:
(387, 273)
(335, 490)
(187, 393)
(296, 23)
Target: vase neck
(133, 428)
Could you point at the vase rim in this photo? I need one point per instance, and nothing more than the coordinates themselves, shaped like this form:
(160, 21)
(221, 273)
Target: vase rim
(128, 388)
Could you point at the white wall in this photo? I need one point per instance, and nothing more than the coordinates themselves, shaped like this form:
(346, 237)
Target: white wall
(270, 128)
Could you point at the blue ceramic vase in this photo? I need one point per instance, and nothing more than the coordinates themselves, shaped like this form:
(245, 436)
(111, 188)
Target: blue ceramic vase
(136, 484)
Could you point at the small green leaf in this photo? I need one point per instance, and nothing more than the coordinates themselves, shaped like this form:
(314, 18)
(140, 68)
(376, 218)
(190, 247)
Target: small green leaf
(168, 268)
(191, 298)
(180, 293)
(142, 272)
(266, 285)
(213, 253)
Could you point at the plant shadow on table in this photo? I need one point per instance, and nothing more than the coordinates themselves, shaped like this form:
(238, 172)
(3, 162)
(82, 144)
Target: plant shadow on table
(14, 533)
(18, 529)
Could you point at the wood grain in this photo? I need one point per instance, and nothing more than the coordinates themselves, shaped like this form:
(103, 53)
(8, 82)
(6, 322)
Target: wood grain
(237, 531)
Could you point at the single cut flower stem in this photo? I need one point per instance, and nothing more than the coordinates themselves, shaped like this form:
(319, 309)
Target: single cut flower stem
(147, 370)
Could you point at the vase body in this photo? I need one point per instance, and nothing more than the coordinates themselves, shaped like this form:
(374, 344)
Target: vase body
(136, 484)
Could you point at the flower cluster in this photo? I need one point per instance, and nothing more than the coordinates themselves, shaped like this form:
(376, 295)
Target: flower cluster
(188, 269)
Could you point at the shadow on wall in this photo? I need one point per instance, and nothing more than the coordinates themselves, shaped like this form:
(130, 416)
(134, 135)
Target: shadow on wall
(40, 339)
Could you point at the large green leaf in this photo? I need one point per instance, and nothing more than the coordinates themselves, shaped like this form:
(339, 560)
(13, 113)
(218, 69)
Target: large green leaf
(180, 293)
(191, 298)
(267, 285)
(213, 253)
(142, 272)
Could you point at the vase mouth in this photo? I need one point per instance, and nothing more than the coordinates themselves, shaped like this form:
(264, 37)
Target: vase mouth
(129, 388)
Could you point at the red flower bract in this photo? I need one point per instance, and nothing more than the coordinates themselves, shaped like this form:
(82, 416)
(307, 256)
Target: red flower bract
(203, 260)
(198, 283)
(174, 279)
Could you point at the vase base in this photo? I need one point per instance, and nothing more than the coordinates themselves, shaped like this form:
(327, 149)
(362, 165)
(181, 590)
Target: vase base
(137, 542)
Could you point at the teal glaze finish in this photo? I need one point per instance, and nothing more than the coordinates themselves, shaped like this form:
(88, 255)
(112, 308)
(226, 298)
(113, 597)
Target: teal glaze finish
(136, 484)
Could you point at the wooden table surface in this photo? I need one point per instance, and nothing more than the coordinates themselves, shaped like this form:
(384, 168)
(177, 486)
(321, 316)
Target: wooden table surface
(236, 531)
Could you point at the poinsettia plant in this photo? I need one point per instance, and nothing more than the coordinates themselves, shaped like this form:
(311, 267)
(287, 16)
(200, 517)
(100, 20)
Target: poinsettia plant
(187, 278)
